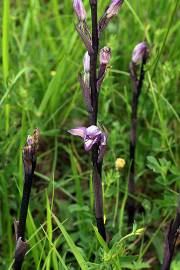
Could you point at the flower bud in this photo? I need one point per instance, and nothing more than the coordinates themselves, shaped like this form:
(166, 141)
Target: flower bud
(79, 9)
(113, 8)
(119, 164)
(105, 55)
(86, 62)
(139, 53)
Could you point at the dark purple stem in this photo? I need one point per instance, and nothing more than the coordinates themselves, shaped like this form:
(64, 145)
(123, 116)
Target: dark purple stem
(137, 87)
(171, 237)
(97, 167)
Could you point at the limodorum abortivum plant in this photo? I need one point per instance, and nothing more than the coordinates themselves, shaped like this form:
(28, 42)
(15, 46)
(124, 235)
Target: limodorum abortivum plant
(29, 155)
(95, 63)
(137, 73)
(172, 235)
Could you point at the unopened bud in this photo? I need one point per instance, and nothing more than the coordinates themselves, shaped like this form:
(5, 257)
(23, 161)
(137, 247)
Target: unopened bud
(79, 9)
(113, 8)
(86, 62)
(105, 55)
(139, 53)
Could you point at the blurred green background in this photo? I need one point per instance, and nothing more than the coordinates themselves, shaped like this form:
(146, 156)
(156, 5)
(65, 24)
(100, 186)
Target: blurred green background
(41, 55)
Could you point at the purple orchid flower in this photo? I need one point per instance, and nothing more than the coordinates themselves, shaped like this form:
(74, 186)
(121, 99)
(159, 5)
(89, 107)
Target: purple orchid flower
(79, 9)
(91, 136)
(113, 8)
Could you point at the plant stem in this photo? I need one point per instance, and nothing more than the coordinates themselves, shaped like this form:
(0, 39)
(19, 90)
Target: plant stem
(25, 202)
(137, 87)
(29, 163)
(93, 63)
(97, 167)
(171, 238)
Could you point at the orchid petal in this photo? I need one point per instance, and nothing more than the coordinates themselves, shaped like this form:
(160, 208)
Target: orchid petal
(80, 131)
(88, 144)
(93, 131)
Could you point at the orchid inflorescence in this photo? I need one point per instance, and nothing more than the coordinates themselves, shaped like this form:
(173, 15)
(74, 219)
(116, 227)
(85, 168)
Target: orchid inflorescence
(105, 53)
(91, 80)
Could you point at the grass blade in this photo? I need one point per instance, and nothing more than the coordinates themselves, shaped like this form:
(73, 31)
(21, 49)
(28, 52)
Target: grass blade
(82, 263)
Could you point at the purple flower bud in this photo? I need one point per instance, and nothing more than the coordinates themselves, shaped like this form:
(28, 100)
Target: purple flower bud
(86, 62)
(105, 55)
(113, 8)
(79, 9)
(140, 51)
(91, 136)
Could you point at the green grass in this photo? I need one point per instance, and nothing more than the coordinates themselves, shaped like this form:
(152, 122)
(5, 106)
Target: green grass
(41, 55)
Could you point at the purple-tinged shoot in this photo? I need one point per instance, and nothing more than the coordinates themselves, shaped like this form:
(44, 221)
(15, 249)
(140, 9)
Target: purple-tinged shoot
(140, 52)
(91, 135)
(105, 55)
(86, 62)
(30, 150)
(114, 8)
(79, 9)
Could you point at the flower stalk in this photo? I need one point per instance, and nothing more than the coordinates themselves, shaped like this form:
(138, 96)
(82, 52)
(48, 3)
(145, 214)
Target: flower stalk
(29, 164)
(139, 58)
(171, 238)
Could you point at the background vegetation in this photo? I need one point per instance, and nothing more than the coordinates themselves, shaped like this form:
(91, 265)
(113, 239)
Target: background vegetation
(40, 58)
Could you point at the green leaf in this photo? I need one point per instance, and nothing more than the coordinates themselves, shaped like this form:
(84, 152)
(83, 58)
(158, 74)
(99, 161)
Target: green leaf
(100, 239)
